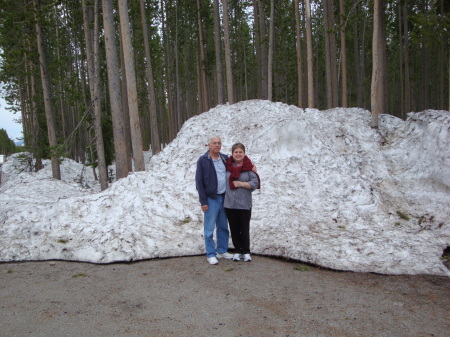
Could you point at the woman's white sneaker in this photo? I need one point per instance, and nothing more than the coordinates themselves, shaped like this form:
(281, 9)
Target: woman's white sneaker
(237, 257)
(247, 258)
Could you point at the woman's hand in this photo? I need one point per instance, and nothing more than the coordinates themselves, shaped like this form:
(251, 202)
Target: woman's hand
(243, 184)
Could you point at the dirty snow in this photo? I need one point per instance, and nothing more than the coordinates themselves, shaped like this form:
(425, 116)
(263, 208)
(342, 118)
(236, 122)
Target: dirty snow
(332, 191)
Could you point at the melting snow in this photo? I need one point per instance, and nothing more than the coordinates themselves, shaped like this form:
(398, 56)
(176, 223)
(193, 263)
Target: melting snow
(332, 190)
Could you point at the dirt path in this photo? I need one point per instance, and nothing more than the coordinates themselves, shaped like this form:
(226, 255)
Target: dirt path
(188, 297)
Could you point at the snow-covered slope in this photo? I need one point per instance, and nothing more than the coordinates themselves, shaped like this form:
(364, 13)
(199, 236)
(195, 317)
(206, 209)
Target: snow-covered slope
(335, 192)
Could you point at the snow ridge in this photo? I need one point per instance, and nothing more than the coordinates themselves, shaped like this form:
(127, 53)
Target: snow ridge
(335, 192)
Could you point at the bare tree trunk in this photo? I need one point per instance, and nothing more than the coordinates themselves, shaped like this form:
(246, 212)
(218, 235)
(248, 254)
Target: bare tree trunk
(400, 53)
(202, 90)
(310, 60)
(33, 123)
(257, 46)
(172, 119)
(359, 99)
(330, 51)
(441, 66)
(102, 171)
(327, 55)
(425, 64)
(226, 35)
(46, 88)
(270, 56)
(262, 29)
(136, 137)
(218, 48)
(407, 80)
(125, 109)
(343, 55)
(60, 91)
(178, 95)
(156, 145)
(115, 96)
(299, 56)
(378, 95)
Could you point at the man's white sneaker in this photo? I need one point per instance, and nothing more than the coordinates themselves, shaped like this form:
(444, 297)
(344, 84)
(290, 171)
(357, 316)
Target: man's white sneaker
(225, 255)
(212, 260)
(247, 258)
(237, 257)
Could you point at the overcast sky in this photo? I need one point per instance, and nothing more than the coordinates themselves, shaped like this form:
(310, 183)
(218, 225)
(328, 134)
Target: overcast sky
(7, 122)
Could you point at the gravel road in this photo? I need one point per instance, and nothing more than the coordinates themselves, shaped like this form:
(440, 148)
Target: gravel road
(187, 297)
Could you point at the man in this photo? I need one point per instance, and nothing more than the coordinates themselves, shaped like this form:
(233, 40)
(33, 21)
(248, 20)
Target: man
(210, 180)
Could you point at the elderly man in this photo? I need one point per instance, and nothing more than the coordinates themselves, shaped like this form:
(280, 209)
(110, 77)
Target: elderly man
(210, 180)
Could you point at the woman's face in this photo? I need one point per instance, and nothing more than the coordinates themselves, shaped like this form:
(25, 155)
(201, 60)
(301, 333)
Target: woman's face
(238, 155)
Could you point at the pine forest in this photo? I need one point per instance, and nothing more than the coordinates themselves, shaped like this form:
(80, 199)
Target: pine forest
(101, 80)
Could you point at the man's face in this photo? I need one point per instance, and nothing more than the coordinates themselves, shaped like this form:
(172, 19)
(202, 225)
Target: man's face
(215, 144)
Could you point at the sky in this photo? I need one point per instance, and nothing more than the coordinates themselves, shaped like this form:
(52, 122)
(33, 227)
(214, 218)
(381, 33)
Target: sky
(7, 122)
(334, 192)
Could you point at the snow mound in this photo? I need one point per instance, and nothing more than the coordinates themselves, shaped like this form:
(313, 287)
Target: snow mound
(335, 193)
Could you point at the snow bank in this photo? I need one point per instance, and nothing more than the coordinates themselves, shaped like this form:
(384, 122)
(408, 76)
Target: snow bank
(335, 192)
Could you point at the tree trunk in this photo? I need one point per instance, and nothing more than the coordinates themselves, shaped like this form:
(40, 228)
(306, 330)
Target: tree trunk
(202, 90)
(330, 54)
(156, 145)
(344, 102)
(334, 77)
(407, 80)
(46, 88)
(379, 67)
(257, 46)
(425, 65)
(310, 60)
(226, 35)
(136, 137)
(33, 122)
(102, 171)
(441, 66)
(357, 65)
(173, 129)
(218, 49)
(125, 109)
(93, 61)
(178, 95)
(270, 55)
(299, 56)
(263, 48)
(115, 96)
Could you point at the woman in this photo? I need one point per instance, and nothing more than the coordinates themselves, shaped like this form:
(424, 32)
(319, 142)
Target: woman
(241, 182)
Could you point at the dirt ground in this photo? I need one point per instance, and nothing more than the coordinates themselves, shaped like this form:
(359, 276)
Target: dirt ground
(187, 297)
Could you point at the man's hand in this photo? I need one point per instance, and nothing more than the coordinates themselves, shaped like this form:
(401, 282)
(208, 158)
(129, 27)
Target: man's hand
(254, 168)
(205, 208)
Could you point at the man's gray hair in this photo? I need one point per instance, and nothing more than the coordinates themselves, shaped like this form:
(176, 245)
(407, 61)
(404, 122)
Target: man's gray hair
(211, 138)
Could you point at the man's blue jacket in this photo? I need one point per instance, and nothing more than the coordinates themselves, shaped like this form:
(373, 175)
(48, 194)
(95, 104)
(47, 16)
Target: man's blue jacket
(206, 177)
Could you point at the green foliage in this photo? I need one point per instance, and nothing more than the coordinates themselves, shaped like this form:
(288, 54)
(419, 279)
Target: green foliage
(403, 216)
(7, 146)
(302, 267)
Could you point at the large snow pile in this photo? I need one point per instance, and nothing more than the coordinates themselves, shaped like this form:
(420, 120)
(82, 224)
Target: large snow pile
(335, 192)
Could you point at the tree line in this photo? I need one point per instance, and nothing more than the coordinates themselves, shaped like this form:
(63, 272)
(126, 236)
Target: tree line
(7, 146)
(102, 80)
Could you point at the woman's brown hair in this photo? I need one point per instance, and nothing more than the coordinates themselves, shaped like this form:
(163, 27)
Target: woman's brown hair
(238, 146)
